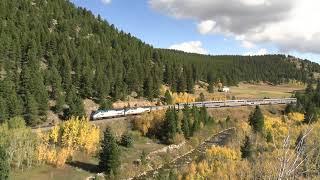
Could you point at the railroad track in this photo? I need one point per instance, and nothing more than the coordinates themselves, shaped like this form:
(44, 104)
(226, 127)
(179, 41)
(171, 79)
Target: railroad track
(208, 104)
(218, 139)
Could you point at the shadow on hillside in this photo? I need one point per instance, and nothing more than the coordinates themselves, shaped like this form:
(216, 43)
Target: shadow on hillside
(92, 168)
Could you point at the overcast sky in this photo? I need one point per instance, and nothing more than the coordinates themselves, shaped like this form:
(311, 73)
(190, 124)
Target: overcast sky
(241, 27)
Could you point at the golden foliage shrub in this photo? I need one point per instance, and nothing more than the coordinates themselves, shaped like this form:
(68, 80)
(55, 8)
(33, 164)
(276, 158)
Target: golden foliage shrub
(276, 127)
(148, 121)
(220, 163)
(217, 97)
(76, 134)
(183, 98)
(222, 153)
(296, 117)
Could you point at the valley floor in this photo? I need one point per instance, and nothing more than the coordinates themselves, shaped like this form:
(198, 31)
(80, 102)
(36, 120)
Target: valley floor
(83, 166)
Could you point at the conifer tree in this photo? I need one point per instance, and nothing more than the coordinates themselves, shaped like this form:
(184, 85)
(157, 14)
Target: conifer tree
(269, 137)
(4, 164)
(110, 154)
(60, 101)
(310, 115)
(204, 117)
(210, 88)
(168, 97)
(309, 89)
(186, 122)
(289, 108)
(3, 110)
(55, 81)
(65, 70)
(169, 127)
(31, 111)
(147, 86)
(181, 85)
(256, 120)
(126, 140)
(14, 104)
(86, 79)
(101, 83)
(246, 148)
(76, 107)
(105, 104)
(196, 120)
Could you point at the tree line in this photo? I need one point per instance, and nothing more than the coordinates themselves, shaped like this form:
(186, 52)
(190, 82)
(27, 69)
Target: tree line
(308, 103)
(52, 51)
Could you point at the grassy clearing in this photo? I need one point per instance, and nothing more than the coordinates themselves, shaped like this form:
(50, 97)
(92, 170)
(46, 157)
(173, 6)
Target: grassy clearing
(244, 91)
(50, 173)
(251, 91)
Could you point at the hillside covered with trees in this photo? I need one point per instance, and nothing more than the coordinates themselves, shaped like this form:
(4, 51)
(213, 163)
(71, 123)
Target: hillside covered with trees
(52, 50)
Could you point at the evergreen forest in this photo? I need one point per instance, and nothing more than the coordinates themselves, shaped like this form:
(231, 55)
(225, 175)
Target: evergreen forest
(53, 51)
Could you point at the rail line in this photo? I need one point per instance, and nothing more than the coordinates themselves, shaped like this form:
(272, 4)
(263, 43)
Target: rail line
(109, 115)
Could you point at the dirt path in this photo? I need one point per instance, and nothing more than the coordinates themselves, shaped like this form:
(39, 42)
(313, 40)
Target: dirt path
(219, 139)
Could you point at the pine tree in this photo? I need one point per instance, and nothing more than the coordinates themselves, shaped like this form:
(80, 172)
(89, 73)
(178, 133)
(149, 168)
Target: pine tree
(102, 84)
(269, 137)
(181, 85)
(14, 104)
(76, 107)
(147, 86)
(55, 81)
(256, 120)
(168, 97)
(186, 122)
(110, 154)
(3, 110)
(196, 120)
(210, 88)
(65, 70)
(289, 109)
(105, 104)
(169, 128)
(310, 115)
(246, 148)
(201, 97)
(31, 112)
(60, 101)
(86, 79)
(4, 164)
(204, 117)
(126, 140)
(309, 89)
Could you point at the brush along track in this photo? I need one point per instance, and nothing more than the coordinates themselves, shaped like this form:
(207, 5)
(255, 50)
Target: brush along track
(218, 139)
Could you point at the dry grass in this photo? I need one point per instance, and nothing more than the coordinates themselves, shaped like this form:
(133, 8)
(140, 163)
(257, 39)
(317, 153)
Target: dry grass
(244, 91)
(242, 113)
(50, 173)
(133, 102)
(251, 91)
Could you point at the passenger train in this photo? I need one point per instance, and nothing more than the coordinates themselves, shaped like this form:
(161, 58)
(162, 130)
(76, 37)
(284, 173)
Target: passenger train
(101, 114)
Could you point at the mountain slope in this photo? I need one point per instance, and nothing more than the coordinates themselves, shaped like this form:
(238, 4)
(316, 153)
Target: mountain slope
(51, 50)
